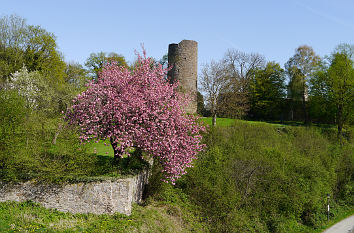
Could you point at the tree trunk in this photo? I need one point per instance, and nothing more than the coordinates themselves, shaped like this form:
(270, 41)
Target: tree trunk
(306, 117)
(340, 120)
(214, 119)
(117, 157)
(60, 127)
(292, 113)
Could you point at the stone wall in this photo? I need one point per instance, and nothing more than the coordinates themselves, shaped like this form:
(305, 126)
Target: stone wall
(183, 58)
(104, 197)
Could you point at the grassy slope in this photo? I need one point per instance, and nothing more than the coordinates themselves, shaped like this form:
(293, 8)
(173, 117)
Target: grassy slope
(168, 209)
(30, 217)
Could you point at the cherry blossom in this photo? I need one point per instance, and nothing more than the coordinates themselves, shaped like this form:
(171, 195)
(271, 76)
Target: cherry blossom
(139, 108)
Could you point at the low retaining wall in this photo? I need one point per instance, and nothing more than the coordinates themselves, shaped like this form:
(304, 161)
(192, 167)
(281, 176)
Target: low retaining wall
(104, 197)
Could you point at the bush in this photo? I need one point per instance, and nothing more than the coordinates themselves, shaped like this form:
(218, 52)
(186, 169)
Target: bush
(28, 152)
(262, 178)
(12, 118)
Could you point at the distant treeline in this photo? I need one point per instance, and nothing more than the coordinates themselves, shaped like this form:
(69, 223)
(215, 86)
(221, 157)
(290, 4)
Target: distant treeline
(309, 89)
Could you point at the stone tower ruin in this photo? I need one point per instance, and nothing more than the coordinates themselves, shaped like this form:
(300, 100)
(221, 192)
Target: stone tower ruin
(183, 58)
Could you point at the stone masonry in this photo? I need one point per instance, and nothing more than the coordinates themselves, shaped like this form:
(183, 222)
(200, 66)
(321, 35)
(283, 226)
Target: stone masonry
(183, 58)
(104, 197)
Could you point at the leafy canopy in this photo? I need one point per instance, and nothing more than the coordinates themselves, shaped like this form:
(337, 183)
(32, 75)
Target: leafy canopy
(97, 61)
(268, 91)
(32, 46)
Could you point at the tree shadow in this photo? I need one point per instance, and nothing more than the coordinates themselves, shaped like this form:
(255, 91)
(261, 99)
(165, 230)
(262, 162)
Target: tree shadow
(132, 164)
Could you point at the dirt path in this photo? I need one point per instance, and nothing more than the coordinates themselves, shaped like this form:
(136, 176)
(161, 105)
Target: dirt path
(344, 226)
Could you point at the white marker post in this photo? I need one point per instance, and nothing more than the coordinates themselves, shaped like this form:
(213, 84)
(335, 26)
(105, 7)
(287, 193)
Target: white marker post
(327, 206)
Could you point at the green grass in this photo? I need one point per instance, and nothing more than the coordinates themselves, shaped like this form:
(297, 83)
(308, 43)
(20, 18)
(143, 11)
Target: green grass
(155, 217)
(229, 122)
(101, 148)
(224, 122)
(219, 121)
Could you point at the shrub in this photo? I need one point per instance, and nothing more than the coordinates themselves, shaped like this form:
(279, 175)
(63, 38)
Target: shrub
(261, 178)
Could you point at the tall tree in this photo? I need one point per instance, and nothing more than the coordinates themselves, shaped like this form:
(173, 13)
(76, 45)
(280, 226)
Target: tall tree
(213, 81)
(32, 87)
(13, 31)
(32, 46)
(11, 60)
(268, 91)
(97, 61)
(332, 86)
(200, 104)
(300, 67)
(241, 68)
(321, 106)
(42, 54)
(341, 83)
(76, 76)
(12, 45)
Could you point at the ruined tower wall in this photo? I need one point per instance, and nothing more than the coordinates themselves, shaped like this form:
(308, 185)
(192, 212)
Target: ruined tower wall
(183, 57)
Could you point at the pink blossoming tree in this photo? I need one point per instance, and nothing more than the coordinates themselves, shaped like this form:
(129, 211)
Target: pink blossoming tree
(139, 109)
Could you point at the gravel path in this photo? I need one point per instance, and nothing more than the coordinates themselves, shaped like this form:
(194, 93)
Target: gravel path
(344, 226)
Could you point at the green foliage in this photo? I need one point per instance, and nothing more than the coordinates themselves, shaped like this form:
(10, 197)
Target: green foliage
(332, 88)
(268, 92)
(76, 77)
(296, 84)
(341, 83)
(32, 46)
(23, 45)
(321, 107)
(27, 152)
(10, 61)
(12, 118)
(266, 178)
(200, 104)
(254, 177)
(344, 190)
(96, 61)
(66, 161)
(41, 54)
(299, 68)
(12, 31)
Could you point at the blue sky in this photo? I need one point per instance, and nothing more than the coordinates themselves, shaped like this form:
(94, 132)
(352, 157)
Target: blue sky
(274, 28)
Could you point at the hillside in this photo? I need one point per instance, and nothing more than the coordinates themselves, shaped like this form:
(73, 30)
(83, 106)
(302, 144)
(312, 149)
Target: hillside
(253, 177)
(259, 177)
